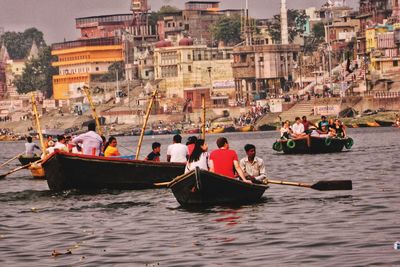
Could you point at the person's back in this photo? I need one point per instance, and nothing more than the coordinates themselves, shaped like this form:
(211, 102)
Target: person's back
(91, 141)
(177, 152)
(30, 148)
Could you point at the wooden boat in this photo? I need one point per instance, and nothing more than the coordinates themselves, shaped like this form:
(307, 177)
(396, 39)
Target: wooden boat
(362, 125)
(148, 132)
(229, 129)
(193, 131)
(318, 145)
(200, 187)
(247, 128)
(217, 130)
(267, 127)
(74, 171)
(384, 123)
(373, 124)
(25, 160)
(176, 131)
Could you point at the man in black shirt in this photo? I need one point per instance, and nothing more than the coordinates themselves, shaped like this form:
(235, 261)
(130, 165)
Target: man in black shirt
(155, 154)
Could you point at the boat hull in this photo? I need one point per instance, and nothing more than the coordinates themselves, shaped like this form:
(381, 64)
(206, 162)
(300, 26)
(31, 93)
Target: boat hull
(247, 128)
(267, 127)
(71, 171)
(384, 123)
(318, 145)
(200, 187)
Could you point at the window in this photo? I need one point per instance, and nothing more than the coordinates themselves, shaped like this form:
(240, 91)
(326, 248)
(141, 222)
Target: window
(189, 56)
(190, 68)
(395, 63)
(97, 68)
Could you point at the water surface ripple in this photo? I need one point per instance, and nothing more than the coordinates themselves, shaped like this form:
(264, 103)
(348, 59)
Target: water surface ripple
(290, 227)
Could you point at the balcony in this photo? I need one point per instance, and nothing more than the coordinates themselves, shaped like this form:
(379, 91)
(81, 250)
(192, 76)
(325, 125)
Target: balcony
(87, 42)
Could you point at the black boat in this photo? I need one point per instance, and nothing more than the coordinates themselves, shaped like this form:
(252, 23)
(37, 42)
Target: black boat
(384, 123)
(26, 160)
(317, 145)
(74, 171)
(200, 187)
(267, 127)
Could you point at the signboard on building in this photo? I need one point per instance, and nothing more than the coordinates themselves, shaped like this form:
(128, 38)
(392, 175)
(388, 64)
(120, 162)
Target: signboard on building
(11, 105)
(327, 110)
(49, 103)
(223, 84)
(275, 105)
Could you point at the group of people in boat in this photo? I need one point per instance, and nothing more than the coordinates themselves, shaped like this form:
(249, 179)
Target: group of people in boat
(304, 129)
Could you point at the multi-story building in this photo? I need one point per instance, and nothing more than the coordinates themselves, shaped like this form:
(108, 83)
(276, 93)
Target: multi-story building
(188, 66)
(3, 62)
(79, 60)
(102, 26)
(341, 32)
(259, 70)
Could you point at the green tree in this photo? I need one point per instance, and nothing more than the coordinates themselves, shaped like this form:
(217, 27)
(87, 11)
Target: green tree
(296, 21)
(227, 29)
(38, 74)
(113, 69)
(19, 43)
(318, 31)
(155, 16)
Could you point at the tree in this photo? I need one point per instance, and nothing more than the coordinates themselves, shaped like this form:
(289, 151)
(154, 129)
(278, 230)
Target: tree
(113, 69)
(19, 43)
(156, 16)
(318, 31)
(296, 22)
(38, 74)
(227, 29)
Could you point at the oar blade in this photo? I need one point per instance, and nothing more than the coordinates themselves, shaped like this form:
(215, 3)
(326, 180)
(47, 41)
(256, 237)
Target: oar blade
(333, 185)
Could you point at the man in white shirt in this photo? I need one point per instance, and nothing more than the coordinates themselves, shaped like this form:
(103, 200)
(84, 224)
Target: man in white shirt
(30, 148)
(60, 144)
(91, 141)
(298, 131)
(177, 152)
(252, 166)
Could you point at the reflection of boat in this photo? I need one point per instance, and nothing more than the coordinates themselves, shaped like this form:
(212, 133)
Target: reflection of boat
(384, 123)
(247, 128)
(318, 145)
(25, 160)
(267, 127)
(217, 130)
(74, 171)
(202, 187)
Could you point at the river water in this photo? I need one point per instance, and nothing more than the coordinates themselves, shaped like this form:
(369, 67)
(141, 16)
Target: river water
(291, 227)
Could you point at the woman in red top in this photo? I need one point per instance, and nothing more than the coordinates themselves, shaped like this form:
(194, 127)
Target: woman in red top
(224, 161)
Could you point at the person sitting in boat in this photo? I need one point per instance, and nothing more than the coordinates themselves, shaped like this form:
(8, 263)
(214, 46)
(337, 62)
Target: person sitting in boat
(60, 144)
(155, 154)
(199, 157)
(307, 124)
(331, 124)
(191, 144)
(50, 147)
(177, 152)
(30, 147)
(323, 122)
(224, 161)
(340, 129)
(111, 149)
(103, 145)
(323, 133)
(298, 129)
(252, 166)
(286, 131)
(91, 141)
(49, 138)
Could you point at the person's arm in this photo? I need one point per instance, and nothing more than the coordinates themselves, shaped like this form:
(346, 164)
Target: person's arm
(243, 167)
(240, 171)
(262, 168)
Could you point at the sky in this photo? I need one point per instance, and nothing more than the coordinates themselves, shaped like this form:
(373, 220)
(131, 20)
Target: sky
(56, 18)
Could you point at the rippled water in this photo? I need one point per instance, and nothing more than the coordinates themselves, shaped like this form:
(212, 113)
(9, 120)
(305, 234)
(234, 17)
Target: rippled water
(290, 227)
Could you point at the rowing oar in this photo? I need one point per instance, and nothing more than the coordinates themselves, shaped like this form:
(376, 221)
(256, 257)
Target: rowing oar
(321, 185)
(8, 161)
(19, 168)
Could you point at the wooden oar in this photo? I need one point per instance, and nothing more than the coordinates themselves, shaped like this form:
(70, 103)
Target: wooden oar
(153, 97)
(321, 185)
(19, 168)
(8, 161)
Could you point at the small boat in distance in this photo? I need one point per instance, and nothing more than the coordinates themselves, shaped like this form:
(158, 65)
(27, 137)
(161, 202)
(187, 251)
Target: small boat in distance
(200, 187)
(384, 123)
(318, 145)
(74, 171)
(26, 160)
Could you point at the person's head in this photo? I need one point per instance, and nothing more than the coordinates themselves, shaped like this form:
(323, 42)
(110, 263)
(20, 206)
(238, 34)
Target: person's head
(50, 143)
(200, 146)
(337, 122)
(156, 146)
(49, 137)
(304, 118)
(323, 118)
(330, 121)
(29, 139)
(250, 151)
(222, 142)
(286, 124)
(323, 128)
(92, 126)
(112, 141)
(191, 140)
(297, 119)
(61, 139)
(177, 138)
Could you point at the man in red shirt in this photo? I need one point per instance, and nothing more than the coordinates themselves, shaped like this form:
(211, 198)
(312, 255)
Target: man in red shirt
(224, 161)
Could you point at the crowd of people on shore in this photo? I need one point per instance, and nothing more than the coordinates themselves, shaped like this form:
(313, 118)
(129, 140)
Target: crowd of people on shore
(250, 117)
(304, 129)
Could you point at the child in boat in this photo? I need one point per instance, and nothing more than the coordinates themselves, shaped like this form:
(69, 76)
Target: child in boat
(111, 149)
(286, 131)
(199, 157)
(155, 154)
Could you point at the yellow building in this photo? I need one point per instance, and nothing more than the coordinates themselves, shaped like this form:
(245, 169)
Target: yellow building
(188, 65)
(371, 37)
(79, 60)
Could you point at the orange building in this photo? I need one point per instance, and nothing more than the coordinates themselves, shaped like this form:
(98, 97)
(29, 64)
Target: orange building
(79, 60)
